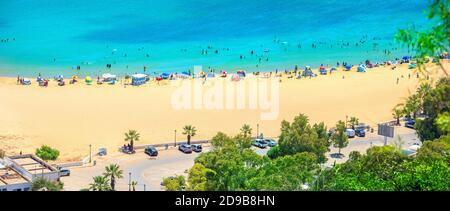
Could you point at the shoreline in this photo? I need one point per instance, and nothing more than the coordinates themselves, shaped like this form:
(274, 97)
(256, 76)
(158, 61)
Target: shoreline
(70, 118)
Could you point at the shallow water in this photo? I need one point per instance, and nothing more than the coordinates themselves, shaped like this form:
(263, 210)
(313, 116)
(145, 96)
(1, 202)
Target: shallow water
(54, 36)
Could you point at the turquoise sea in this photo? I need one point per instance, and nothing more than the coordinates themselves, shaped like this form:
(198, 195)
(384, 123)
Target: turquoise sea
(55, 36)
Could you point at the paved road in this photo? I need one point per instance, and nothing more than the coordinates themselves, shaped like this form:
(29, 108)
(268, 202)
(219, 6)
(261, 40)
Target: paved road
(150, 171)
(145, 170)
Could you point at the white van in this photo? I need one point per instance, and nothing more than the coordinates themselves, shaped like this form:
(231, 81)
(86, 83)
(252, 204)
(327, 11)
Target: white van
(350, 133)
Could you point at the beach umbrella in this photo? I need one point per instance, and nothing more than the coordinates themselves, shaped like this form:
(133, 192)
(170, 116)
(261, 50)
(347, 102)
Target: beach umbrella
(348, 67)
(165, 75)
(361, 68)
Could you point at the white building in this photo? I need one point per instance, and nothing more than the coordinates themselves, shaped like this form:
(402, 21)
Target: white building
(17, 172)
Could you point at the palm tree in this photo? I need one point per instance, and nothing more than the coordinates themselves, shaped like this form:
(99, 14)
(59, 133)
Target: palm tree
(100, 183)
(113, 171)
(353, 122)
(190, 131)
(246, 130)
(423, 90)
(132, 136)
(412, 105)
(397, 113)
(133, 185)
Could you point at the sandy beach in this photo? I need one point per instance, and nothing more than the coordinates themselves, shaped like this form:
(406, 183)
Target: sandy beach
(70, 118)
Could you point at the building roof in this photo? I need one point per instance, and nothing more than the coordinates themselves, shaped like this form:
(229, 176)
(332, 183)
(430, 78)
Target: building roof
(9, 176)
(32, 164)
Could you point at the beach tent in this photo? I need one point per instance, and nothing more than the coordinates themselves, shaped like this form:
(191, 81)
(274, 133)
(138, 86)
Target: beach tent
(183, 75)
(211, 75)
(165, 76)
(333, 69)
(26, 81)
(138, 79)
(308, 72)
(412, 66)
(88, 80)
(241, 73)
(39, 79)
(361, 68)
(59, 78)
(107, 77)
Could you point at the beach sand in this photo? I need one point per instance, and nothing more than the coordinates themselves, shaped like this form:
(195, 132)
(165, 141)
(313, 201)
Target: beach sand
(72, 117)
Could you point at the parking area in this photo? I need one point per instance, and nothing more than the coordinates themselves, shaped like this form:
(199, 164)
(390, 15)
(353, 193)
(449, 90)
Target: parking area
(147, 171)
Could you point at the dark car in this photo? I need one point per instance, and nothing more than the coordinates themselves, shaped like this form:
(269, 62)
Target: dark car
(260, 143)
(360, 132)
(196, 147)
(151, 151)
(186, 148)
(410, 123)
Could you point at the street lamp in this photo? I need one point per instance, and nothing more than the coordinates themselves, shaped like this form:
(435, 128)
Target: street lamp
(257, 130)
(175, 143)
(129, 181)
(90, 153)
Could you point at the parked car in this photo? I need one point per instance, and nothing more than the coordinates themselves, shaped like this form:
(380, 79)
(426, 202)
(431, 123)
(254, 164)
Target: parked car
(260, 143)
(410, 123)
(64, 172)
(102, 152)
(151, 151)
(196, 147)
(186, 148)
(270, 142)
(350, 133)
(360, 131)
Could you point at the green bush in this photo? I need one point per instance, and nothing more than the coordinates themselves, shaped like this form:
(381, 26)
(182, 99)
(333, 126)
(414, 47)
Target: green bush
(274, 152)
(47, 153)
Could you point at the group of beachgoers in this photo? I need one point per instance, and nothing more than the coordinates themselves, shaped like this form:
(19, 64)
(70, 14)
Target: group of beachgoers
(139, 79)
(263, 54)
(6, 40)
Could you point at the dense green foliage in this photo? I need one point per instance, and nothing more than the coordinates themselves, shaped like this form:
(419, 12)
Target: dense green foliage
(47, 153)
(41, 184)
(300, 136)
(387, 169)
(435, 104)
(177, 183)
(232, 165)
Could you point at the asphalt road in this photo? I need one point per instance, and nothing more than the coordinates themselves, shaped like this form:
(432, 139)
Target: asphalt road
(149, 172)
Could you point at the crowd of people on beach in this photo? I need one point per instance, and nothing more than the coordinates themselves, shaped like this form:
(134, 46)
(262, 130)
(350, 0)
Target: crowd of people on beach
(260, 55)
